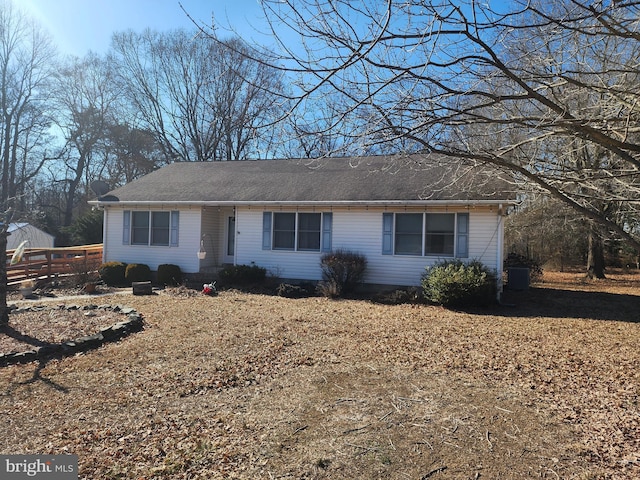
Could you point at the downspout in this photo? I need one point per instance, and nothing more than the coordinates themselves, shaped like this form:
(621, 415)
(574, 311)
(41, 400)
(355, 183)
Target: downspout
(499, 252)
(235, 236)
(105, 226)
(199, 264)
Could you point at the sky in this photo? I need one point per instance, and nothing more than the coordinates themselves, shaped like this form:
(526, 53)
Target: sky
(78, 26)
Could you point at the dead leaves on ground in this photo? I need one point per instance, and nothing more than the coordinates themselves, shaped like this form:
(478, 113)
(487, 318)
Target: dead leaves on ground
(251, 386)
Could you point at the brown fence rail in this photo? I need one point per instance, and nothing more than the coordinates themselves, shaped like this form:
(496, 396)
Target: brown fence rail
(46, 263)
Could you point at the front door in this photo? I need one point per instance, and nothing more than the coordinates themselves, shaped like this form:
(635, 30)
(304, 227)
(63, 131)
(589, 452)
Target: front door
(230, 240)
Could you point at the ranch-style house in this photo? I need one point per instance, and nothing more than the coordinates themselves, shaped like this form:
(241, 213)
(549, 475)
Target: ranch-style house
(403, 212)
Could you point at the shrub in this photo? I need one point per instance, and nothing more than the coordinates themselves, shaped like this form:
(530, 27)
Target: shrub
(399, 296)
(342, 271)
(295, 291)
(84, 270)
(453, 283)
(169, 274)
(113, 273)
(241, 275)
(522, 261)
(137, 272)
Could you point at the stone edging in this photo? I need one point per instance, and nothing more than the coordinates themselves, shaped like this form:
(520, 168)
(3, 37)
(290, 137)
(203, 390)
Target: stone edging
(115, 332)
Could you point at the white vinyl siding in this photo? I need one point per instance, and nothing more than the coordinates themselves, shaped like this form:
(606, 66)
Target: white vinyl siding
(432, 234)
(296, 231)
(359, 229)
(253, 246)
(183, 255)
(155, 228)
(354, 228)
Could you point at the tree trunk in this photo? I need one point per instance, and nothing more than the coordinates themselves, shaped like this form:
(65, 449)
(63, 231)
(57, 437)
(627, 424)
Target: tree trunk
(595, 258)
(4, 310)
(74, 182)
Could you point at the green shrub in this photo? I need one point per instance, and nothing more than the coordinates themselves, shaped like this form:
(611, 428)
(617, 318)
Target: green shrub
(137, 272)
(342, 271)
(241, 276)
(169, 274)
(113, 273)
(453, 283)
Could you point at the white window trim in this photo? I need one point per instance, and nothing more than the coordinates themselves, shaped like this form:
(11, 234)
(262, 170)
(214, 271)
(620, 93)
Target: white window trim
(456, 235)
(173, 228)
(324, 232)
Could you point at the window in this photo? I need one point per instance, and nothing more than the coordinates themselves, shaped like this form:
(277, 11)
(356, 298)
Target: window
(140, 228)
(439, 233)
(408, 234)
(309, 232)
(425, 234)
(284, 231)
(159, 228)
(150, 228)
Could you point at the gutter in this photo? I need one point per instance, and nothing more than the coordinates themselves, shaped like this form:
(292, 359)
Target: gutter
(304, 203)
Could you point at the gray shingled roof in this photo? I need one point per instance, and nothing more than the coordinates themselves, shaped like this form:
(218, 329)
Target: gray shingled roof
(377, 179)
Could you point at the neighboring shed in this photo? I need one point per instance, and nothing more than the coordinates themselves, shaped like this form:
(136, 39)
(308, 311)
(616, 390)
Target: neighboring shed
(19, 232)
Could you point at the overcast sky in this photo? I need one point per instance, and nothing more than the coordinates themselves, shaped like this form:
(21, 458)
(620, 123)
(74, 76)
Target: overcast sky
(78, 26)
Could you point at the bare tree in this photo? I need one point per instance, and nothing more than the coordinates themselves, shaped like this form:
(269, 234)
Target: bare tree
(535, 89)
(204, 100)
(309, 134)
(129, 154)
(86, 101)
(547, 231)
(25, 61)
(25, 69)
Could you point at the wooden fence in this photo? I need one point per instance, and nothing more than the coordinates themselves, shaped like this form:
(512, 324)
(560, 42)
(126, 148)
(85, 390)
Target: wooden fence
(46, 263)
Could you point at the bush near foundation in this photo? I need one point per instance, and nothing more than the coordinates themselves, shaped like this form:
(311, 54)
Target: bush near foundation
(342, 271)
(454, 283)
(241, 276)
(137, 272)
(113, 273)
(169, 274)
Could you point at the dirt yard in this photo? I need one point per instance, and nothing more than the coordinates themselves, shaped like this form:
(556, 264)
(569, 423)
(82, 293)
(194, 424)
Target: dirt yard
(260, 387)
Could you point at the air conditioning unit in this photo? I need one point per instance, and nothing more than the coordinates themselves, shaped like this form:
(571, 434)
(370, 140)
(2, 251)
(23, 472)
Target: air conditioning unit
(517, 278)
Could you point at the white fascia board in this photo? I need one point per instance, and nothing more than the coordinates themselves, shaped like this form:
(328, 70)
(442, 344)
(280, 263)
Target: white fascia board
(307, 203)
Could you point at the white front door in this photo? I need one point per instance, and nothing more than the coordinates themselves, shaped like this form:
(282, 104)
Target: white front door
(230, 239)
